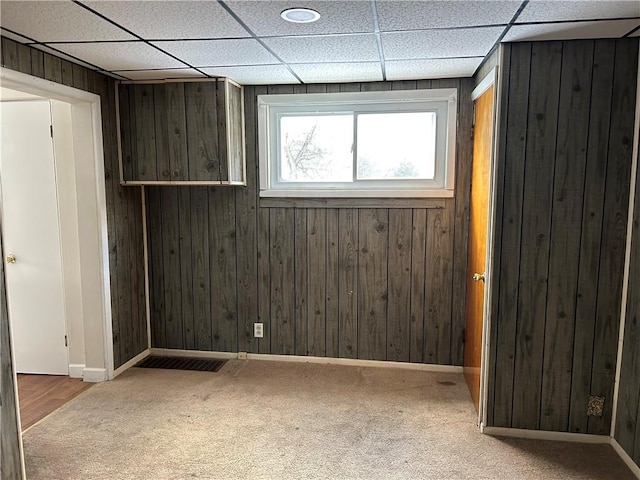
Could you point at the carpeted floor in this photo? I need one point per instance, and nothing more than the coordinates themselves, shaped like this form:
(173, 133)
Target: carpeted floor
(268, 420)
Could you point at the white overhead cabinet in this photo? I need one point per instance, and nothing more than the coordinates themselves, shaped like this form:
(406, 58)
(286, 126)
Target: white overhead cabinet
(187, 132)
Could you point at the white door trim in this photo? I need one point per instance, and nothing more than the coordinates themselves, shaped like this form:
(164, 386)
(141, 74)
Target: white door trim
(92, 213)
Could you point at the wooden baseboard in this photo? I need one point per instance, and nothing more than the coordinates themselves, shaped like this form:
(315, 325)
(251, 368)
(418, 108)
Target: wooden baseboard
(126, 366)
(545, 435)
(425, 367)
(626, 458)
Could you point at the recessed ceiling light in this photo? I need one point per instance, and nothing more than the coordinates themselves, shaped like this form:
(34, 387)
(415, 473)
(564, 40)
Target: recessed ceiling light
(300, 15)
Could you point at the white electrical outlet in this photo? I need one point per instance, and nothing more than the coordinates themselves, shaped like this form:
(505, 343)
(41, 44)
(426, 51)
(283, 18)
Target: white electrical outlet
(257, 330)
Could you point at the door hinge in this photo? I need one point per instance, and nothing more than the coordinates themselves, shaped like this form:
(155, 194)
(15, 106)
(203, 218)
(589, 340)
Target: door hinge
(51, 130)
(65, 341)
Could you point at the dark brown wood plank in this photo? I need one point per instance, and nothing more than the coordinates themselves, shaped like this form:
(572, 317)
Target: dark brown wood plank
(145, 139)
(154, 128)
(37, 63)
(52, 68)
(464, 153)
(186, 266)
(10, 456)
(66, 68)
(223, 269)
(202, 144)
(200, 257)
(282, 277)
(9, 52)
(614, 230)
(171, 257)
(439, 268)
(348, 282)
(264, 279)
(24, 58)
(536, 228)
(301, 289)
(591, 233)
(399, 278)
(373, 237)
(566, 221)
(246, 230)
(316, 280)
(418, 274)
(79, 76)
(627, 419)
(511, 159)
(156, 265)
(177, 131)
(331, 289)
(126, 131)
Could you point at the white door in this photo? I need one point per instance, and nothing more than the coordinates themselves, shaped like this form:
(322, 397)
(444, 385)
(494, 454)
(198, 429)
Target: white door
(31, 233)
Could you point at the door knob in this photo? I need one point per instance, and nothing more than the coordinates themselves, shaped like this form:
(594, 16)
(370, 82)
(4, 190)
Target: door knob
(478, 276)
(11, 258)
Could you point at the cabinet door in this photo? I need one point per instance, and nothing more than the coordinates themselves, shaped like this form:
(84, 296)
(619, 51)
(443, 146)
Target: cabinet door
(204, 142)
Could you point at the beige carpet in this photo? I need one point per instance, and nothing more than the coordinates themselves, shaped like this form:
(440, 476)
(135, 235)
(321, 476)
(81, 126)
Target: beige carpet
(268, 420)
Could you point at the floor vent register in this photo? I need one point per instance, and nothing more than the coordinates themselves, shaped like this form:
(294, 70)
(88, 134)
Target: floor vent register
(180, 363)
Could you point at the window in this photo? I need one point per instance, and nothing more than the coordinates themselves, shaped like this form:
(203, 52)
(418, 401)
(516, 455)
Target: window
(368, 144)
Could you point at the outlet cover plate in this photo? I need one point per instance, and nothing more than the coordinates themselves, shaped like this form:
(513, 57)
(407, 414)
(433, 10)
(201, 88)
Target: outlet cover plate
(258, 331)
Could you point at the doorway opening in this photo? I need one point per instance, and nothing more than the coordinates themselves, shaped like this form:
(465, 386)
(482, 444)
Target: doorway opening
(83, 225)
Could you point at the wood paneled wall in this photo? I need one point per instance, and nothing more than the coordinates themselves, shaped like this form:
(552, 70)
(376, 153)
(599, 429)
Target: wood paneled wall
(564, 163)
(10, 461)
(627, 431)
(488, 64)
(124, 205)
(380, 280)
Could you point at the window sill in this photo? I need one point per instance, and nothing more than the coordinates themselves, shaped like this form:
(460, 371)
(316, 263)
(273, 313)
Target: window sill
(356, 193)
(288, 202)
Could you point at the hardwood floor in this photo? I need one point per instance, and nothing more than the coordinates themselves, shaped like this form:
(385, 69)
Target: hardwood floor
(40, 395)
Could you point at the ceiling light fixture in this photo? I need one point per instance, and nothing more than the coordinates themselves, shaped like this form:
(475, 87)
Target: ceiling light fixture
(300, 15)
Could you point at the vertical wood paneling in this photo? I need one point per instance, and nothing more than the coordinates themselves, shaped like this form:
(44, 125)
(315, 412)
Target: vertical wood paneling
(201, 114)
(156, 265)
(200, 265)
(564, 162)
(332, 285)
(316, 280)
(176, 130)
(66, 68)
(53, 68)
(418, 274)
(10, 463)
(264, 279)
(186, 266)
(171, 260)
(373, 237)
(222, 261)
(627, 431)
(614, 230)
(437, 323)
(399, 272)
(301, 282)
(281, 267)
(37, 64)
(153, 163)
(592, 214)
(145, 139)
(536, 227)
(566, 219)
(347, 282)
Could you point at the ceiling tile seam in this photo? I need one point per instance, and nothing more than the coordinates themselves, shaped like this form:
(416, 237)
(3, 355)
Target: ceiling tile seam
(577, 20)
(631, 32)
(98, 14)
(504, 33)
(34, 44)
(376, 29)
(258, 39)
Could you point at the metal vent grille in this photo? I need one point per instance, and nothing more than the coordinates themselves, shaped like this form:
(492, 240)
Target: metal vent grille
(180, 363)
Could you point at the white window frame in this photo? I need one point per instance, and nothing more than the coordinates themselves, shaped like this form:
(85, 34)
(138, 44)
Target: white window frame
(444, 101)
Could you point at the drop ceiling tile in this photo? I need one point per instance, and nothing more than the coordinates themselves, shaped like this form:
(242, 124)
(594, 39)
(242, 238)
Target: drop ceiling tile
(161, 74)
(120, 55)
(418, 15)
(171, 20)
(338, 72)
(255, 74)
(331, 48)
(209, 53)
(263, 17)
(56, 21)
(437, 68)
(546, 11)
(471, 42)
(568, 31)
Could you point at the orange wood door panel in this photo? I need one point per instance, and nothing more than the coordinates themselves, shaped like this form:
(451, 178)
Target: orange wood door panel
(479, 210)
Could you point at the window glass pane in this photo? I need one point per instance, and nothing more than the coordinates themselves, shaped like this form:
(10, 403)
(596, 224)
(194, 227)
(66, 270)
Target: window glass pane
(396, 145)
(316, 148)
